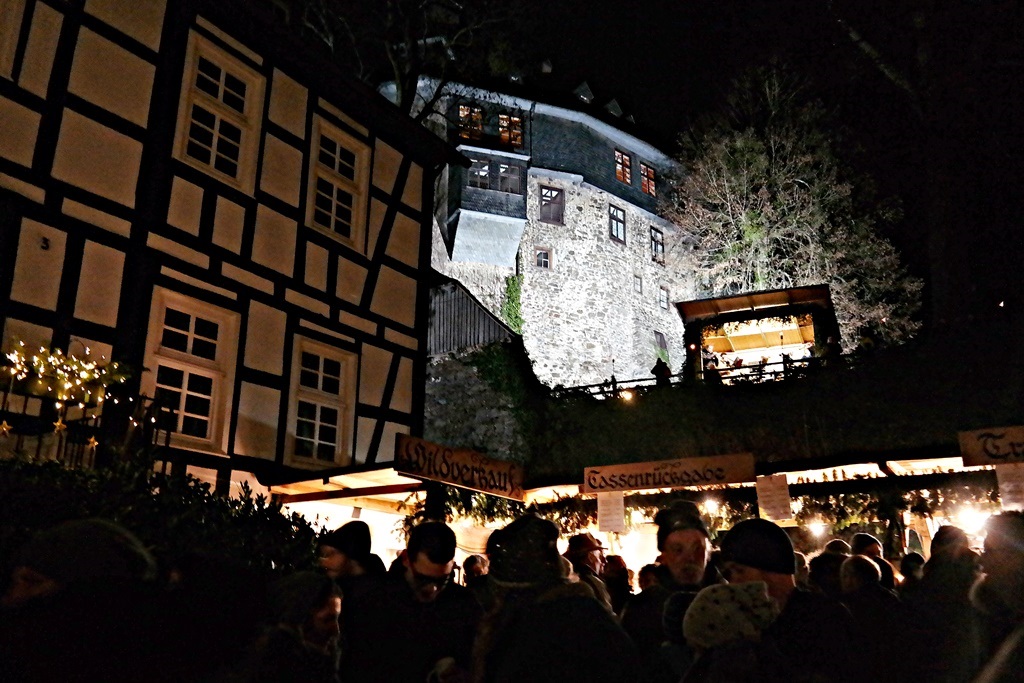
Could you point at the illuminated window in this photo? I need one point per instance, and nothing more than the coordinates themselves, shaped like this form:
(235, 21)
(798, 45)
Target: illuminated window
(322, 405)
(617, 224)
(542, 258)
(471, 122)
(509, 179)
(647, 180)
(657, 245)
(623, 170)
(510, 129)
(663, 298)
(190, 352)
(221, 107)
(552, 205)
(480, 174)
(338, 185)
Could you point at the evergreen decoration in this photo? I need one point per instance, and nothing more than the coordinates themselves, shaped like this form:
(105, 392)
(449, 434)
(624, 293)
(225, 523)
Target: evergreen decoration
(511, 304)
(171, 514)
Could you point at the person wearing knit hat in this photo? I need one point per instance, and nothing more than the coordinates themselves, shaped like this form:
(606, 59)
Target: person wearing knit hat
(344, 551)
(685, 546)
(542, 627)
(77, 551)
(726, 613)
(813, 632)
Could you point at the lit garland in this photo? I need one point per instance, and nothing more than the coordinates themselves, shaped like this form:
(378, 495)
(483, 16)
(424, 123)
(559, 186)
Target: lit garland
(65, 377)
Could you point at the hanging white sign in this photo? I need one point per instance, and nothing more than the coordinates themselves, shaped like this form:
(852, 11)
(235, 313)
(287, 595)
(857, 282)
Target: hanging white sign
(611, 512)
(773, 499)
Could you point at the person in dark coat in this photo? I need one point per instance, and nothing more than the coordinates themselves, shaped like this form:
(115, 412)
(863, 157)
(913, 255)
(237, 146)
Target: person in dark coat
(655, 616)
(1001, 592)
(813, 632)
(944, 640)
(82, 604)
(878, 619)
(543, 628)
(417, 622)
(586, 554)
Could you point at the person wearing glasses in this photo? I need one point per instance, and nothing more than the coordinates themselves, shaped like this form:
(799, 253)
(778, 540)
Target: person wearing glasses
(418, 624)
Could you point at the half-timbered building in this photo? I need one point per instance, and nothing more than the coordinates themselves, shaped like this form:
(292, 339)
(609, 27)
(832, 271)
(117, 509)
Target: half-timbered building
(189, 189)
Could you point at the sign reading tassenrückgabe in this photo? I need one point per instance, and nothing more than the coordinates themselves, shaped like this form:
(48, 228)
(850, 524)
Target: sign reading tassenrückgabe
(458, 467)
(670, 474)
(995, 446)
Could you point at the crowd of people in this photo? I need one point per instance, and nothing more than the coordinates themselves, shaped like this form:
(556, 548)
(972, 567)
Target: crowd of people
(85, 601)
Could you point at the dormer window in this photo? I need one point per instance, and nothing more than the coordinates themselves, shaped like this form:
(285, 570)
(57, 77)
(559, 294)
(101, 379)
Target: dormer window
(623, 167)
(471, 122)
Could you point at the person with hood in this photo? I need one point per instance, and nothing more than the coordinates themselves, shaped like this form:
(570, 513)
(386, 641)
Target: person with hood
(541, 627)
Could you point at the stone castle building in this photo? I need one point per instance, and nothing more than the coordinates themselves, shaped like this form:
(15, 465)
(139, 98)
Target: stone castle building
(560, 206)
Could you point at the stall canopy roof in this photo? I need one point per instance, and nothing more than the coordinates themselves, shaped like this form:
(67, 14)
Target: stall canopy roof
(754, 302)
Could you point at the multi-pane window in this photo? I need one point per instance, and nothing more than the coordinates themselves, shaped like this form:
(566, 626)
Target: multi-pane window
(480, 174)
(322, 405)
(617, 224)
(657, 245)
(186, 394)
(623, 169)
(638, 284)
(471, 122)
(663, 298)
(338, 181)
(542, 258)
(647, 180)
(552, 205)
(317, 412)
(334, 199)
(510, 129)
(509, 179)
(220, 112)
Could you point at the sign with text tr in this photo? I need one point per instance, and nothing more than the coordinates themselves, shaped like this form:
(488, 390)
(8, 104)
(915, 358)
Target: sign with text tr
(458, 467)
(996, 446)
(670, 474)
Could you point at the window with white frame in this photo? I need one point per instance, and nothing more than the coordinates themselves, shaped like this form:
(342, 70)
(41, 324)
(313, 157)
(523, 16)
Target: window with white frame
(542, 258)
(339, 176)
(322, 406)
(638, 284)
(552, 205)
(190, 354)
(480, 174)
(657, 245)
(10, 27)
(663, 297)
(221, 107)
(509, 179)
(647, 180)
(617, 223)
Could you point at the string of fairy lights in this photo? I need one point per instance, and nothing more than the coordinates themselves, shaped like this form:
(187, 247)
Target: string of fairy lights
(66, 379)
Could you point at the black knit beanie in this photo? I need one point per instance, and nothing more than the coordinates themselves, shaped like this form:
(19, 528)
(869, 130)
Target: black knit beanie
(682, 515)
(760, 544)
(352, 539)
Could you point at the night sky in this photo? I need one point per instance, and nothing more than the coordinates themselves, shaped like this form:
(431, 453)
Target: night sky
(954, 159)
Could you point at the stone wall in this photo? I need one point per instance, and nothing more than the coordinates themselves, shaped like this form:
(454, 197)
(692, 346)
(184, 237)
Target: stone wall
(463, 411)
(584, 311)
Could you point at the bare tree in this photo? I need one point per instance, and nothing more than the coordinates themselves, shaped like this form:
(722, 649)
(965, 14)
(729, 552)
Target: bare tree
(765, 202)
(401, 41)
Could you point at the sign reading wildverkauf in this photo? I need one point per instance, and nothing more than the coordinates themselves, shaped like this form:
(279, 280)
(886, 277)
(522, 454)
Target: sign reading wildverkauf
(670, 474)
(458, 467)
(995, 446)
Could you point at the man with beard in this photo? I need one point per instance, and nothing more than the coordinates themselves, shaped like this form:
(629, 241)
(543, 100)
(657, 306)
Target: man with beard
(1000, 594)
